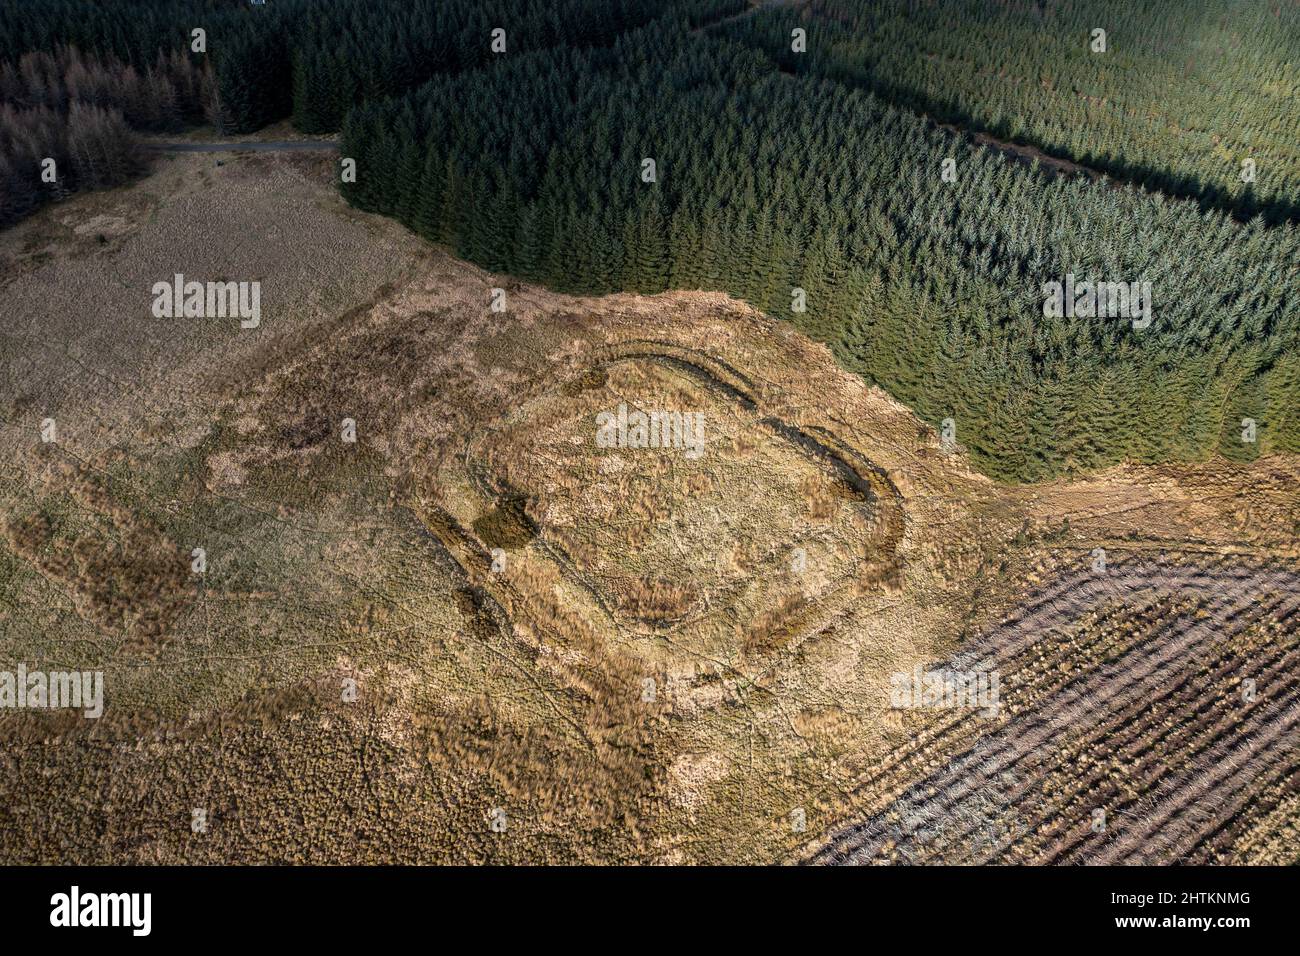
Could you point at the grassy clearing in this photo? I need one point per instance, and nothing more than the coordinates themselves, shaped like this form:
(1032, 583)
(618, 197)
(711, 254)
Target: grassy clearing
(524, 690)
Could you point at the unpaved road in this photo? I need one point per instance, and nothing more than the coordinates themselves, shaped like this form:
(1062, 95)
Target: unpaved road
(273, 147)
(754, 7)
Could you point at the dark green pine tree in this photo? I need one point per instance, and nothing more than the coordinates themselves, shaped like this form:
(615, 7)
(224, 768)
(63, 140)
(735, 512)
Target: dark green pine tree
(428, 221)
(530, 246)
(684, 251)
(381, 174)
(651, 264)
(407, 182)
(497, 216)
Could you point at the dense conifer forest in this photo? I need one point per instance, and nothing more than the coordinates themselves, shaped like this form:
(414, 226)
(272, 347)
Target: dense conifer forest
(767, 182)
(1176, 94)
(646, 146)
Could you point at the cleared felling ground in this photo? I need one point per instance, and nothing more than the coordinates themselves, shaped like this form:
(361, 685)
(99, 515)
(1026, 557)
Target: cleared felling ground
(610, 653)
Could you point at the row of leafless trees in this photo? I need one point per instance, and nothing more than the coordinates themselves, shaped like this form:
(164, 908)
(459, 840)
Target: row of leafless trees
(69, 122)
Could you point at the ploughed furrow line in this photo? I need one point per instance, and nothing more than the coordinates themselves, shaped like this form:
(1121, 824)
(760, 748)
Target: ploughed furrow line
(1178, 578)
(1065, 817)
(1064, 604)
(1269, 740)
(1087, 582)
(940, 796)
(1031, 672)
(1242, 726)
(1205, 721)
(1109, 767)
(950, 730)
(1120, 676)
(1073, 786)
(1278, 665)
(1261, 794)
(1077, 843)
(1221, 844)
(1068, 602)
(1233, 834)
(1026, 739)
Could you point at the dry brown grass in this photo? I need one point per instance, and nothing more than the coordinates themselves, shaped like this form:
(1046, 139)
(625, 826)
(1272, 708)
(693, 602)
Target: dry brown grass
(119, 567)
(523, 689)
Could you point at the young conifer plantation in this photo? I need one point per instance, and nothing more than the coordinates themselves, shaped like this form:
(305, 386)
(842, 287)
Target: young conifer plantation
(1175, 96)
(647, 433)
(767, 182)
(793, 147)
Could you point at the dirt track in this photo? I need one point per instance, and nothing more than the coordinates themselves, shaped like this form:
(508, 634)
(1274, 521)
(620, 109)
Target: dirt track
(282, 146)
